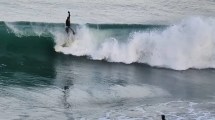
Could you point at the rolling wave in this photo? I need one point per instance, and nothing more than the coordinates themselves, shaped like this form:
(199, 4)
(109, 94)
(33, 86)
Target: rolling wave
(187, 44)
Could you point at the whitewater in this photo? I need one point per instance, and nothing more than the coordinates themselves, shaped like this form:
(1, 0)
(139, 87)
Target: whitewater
(129, 60)
(184, 45)
(186, 42)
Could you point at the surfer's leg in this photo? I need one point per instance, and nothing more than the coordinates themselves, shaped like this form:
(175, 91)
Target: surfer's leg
(72, 31)
(67, 29)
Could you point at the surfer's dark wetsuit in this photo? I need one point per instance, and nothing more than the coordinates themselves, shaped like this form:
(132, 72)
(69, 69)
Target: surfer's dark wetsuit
(68, 20)
(68, 24)
(163, 117)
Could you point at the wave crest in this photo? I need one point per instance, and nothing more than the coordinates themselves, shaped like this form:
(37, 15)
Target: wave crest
(188, 44)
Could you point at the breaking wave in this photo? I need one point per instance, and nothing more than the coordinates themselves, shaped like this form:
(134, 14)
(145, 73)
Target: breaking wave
(184, 45)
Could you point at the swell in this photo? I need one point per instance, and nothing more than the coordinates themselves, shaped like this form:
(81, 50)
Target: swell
(14, 43)
(30, 54)
(36, 38)
(183, 45)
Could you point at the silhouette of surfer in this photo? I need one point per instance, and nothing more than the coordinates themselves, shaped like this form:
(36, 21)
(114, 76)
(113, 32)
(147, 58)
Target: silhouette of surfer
(163, 117)
(68, 24)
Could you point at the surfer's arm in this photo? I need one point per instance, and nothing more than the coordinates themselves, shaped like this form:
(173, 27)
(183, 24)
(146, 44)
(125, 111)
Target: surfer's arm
(69, 14)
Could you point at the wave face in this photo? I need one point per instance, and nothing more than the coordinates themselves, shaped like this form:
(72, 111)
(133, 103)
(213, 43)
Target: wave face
(187, 44)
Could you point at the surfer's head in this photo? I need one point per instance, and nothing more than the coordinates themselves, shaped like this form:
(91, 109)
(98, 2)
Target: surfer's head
(163, 117)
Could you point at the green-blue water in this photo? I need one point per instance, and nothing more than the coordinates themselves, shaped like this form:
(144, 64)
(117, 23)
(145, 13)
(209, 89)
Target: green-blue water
(39, 83)
(128, 60)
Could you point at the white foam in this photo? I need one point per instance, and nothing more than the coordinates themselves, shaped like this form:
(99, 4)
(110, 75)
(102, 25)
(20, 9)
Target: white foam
(189, 44)
(174, 110)
(47, 104)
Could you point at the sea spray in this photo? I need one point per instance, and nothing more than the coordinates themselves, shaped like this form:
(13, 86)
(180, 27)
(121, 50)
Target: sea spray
(187, 44)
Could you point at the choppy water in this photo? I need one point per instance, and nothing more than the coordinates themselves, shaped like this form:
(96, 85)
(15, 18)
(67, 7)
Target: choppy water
(105, 11)
(133, 60)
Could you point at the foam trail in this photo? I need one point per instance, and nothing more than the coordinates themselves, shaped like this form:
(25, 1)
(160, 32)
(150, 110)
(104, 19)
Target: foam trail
(189, 44)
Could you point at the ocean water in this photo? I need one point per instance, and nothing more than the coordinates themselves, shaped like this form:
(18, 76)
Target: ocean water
(129, 60)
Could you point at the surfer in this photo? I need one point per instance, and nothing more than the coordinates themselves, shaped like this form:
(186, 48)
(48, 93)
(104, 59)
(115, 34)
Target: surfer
(68, 24)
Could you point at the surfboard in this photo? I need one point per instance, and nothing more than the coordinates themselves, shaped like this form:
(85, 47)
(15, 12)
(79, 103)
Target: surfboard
(70, 37)
(67, 43)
